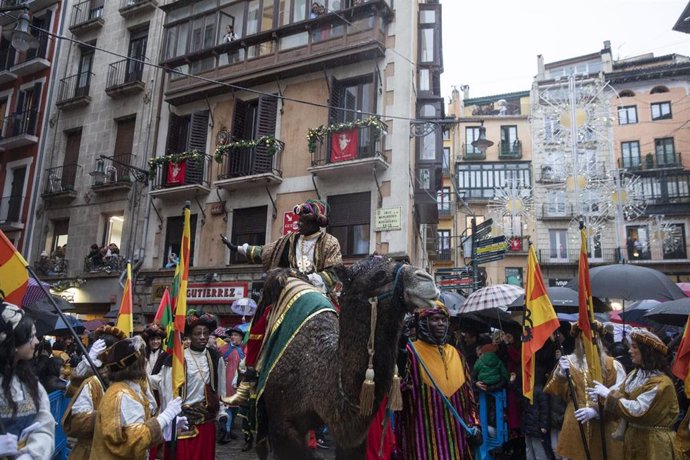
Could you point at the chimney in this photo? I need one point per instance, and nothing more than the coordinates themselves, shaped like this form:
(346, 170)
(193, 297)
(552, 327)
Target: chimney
(541, 71)
(465, 91)
(606, 57)
(454, 106)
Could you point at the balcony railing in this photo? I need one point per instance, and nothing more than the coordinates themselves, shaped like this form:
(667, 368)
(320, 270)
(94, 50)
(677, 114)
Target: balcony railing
(74, 88)
(105, 264)
(444, 209)
(112, 171)
(20, 124)
(7, 57)
(41, 52)
(355, 144)
(556, 211)
(169, 175)
(61, 179)
(124, 73)
(11, 208)
(132, 7)
(444, 254)
(84, 14)
(471, 153)
(510, 150)
(244, 162)
(651, 162)
(571, 255)
(51, 266)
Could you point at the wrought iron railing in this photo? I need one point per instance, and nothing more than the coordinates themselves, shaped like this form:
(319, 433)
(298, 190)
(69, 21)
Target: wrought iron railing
(570, 255)
(188, 172)
(51, 265)
(103, 263)
(74, 87)
(243, 162)
(40, 52)
(556, 210)
(124, 72)
(112, 170)
(20, 124)
(353, 144)
(510, 150)
(61, 179)
(469, 152)
(7, 57)
(83, 12)
(651, 161)
(11, 208)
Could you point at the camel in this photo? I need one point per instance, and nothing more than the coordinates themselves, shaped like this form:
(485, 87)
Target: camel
(318, 379)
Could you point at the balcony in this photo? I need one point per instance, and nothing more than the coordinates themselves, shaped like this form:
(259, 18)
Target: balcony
(11, 213)
(510, 150)
(247, 167)
(349, 152)
(32, 5)
(60, 183)
(124, 78)
(469, 153)
(86, 18)
(7, 58)
(134, 8)
(350, 35)
(556, 211)
(518, 245)
(114, 264)
(188, 177)
(570, 256)
(19, 130)
(35, 60)
(74, 91)
(444, 210)
(444, 254)
(51, 266)
(652, 162)
(112, 175)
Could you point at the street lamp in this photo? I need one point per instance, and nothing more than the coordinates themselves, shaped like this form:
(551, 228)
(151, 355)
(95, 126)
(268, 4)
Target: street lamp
(482, 143)
(22, 40)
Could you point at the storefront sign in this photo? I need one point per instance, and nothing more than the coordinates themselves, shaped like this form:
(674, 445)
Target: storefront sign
(215, 293)
(290, 223)
(388, 219)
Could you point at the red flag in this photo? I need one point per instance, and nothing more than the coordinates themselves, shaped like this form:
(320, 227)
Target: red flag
(176, 173)
(681, 364)
(125, 320)
(164, 317)
(14, 278)
(344, 145)
(586, 311)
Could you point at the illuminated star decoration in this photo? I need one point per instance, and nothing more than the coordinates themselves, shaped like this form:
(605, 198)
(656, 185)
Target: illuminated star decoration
(668, 234)
(511, 206)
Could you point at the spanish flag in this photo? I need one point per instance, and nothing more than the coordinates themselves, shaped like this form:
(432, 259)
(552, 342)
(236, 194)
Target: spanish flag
(180, 286)
(14, 278)
(586, 312)
(681, 364)
(124, 317)
(540, 321)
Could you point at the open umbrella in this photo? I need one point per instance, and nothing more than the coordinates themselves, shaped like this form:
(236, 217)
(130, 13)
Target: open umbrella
(635, 311)
(94, 324)
(34, 291)
(453, 301)
(685, 287)
(631, 282)
(494, 296)
(245, 306)
(48, 323)
(563, 300)
(45, 305)
(674, 313)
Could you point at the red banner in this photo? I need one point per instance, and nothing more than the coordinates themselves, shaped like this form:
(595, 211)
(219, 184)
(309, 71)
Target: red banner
(344, 145)
(176, 173)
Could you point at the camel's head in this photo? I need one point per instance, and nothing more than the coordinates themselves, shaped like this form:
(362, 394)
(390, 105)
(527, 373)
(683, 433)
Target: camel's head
(380, 276)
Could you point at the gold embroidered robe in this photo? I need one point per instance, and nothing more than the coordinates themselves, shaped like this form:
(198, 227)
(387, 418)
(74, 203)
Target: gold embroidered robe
(80, 425)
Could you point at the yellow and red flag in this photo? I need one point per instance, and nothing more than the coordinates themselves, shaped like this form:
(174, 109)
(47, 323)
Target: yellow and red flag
(125, 321)
(180, 286)
(540, 321)
(681, 364)
(14, 279)
(586, 312)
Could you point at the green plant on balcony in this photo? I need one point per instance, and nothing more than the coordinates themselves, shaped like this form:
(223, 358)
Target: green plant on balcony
(193, 157)
(315, 136)
(272, 144)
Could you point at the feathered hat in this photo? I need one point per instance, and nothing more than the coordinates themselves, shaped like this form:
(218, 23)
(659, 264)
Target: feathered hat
(125, 353)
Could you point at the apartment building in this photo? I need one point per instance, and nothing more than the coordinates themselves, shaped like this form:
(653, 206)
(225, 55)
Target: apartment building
(270, 103)
(26, 72)
(93, 205)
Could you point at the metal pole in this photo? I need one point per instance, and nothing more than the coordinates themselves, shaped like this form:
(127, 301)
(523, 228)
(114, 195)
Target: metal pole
(573, 396)
(475, 274)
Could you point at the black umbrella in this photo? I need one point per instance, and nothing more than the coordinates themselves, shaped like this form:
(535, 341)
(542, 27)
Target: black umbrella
(44, 305)
(631, 282)
(674, 313)
(564, 300)
(48, 323)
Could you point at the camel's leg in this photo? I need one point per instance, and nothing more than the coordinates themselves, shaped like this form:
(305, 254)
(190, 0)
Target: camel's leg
(288, 443)
(351, 453)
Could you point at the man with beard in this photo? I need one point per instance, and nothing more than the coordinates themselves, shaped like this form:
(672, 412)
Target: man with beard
(311, 253)
(432, 371)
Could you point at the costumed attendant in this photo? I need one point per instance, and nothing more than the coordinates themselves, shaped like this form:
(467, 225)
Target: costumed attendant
(646, 401)
(154, 336)
(310, 252)
(570, 440)
(233, 355)
(125, 427)
(204, 385)
(24, 403)
(80, 417)
(425, 428)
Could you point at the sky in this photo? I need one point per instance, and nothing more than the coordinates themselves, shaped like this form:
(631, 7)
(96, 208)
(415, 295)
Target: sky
(492, 45)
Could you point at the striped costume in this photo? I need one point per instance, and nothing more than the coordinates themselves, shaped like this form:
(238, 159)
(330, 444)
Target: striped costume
(425, 428)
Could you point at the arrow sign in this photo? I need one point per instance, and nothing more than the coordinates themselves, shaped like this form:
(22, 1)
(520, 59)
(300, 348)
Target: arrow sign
(483, 225)
(494, 258)
(490, 249)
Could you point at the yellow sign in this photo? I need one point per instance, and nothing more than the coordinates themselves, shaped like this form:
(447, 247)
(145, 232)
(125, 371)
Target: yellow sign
(388, 219)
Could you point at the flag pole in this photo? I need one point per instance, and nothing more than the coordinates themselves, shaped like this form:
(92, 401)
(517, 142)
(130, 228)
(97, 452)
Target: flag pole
(573, 396)
(69, 326)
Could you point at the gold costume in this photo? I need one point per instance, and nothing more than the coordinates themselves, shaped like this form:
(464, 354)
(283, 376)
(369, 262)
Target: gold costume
(647, 401)
(569, 440)
(80, 425)
(115, 441)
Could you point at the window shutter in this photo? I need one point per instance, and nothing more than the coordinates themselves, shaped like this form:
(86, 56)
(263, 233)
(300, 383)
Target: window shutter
(336, 102)
(351, 209)
(198, 132)
(124, 140)
(268, 111)
(35, 104)
(172, 144)
(238, 162)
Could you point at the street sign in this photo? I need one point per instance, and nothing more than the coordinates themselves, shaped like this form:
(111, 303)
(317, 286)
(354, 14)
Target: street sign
(490, 249)
(483, 225)
(494, 258)
(290, 223)
(484, 232)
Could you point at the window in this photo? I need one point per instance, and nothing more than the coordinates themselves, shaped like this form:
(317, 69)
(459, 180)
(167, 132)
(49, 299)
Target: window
(478, 180)
(446, 161)
(113, 230)
(349, 222)
(471, 135)
(627, 115)
(661, 111)
(594, 247)
(468, 223)
(658, 90)
(630, 154)
(13, 193)
(512, 225)
(443, 244)
(124, 140)
(427, 44)
(446, 134)
(637, 242)
(443, 200)
(428, 146)
(248, 226)
(252, 120)
(514, 276)
(187, 133)
(357, 96)
(555, 205)
(84, 73)
(138, 39)
(70, 164)
(558, 244)
(173, 238)
(26, 114)
(673, 242)
(60, 230)
(627, 93)
(424, 80)
(665, 151)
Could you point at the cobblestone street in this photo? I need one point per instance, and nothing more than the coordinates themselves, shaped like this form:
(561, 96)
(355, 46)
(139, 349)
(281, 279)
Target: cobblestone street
(233, 451)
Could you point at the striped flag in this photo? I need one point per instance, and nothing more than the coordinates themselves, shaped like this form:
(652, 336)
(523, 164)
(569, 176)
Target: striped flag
(586, 312)
(540, 321)
(124, 317)
(164, 317)
(681, 364)
(180, 283)
(14, 278)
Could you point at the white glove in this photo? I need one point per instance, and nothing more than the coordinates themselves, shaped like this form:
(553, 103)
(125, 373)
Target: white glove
(8, 445)
(598, 390)
(97, 348)
(563, 365)
(173, 408)
(243, 249)
(317, 281)
(24, 457)
(182, 424)
(585, 414)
